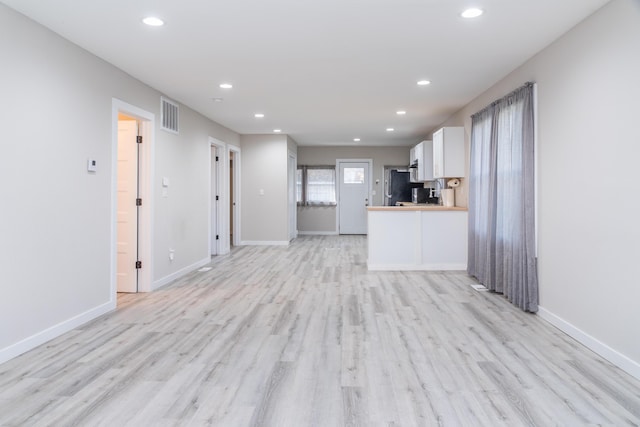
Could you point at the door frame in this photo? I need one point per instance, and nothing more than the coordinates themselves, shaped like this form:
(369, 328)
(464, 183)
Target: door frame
(221, 171)
(339, 179)
(292, 223)
(237, 226)
(146, 121)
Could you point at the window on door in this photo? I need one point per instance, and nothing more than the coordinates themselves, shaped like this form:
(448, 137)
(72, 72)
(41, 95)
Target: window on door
(353, 176)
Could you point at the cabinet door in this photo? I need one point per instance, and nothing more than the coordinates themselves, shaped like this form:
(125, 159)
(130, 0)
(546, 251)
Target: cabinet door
(427, 161)
(453, 152)
(438, 154)
(448, 152)
(419, 151)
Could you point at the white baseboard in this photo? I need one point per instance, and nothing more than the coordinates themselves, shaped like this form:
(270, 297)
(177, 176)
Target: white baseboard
(55, 331)
(416, 267)
(620, 360)
(178, 274)
(318, 233)
(264, 243)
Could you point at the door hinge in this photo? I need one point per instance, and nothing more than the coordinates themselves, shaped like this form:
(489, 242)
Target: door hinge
(138, 202)
(139, 139)
(217, 159)
(217, 197)
(138, 264)
(217, 237)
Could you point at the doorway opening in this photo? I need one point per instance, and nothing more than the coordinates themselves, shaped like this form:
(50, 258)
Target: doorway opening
(132, 141)
(128, 195)
(233, 154)
(232, 199)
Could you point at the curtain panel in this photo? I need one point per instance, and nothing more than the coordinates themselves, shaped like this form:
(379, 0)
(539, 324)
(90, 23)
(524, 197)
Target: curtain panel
(501, 199)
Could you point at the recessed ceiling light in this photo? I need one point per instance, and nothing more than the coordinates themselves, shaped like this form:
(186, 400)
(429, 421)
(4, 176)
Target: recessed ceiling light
(356, 139)
(226, 86)
(277, 130)
(258, 115)
(390, 129)
(423, 82)
(401, 113)
(472, 13)
(153, 21)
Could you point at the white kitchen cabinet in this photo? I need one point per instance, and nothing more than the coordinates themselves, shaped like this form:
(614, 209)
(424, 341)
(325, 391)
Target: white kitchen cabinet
(448, 152)
(415, 153)
(422, 154)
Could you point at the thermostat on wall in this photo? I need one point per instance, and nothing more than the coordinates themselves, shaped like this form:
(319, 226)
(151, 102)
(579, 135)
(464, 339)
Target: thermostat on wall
(92, 165)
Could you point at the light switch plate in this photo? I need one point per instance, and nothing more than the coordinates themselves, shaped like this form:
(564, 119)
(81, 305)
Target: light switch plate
(92, 165)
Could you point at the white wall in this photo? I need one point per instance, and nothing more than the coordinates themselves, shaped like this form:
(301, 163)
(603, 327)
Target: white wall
(55, 221)
(182, 219)
(589, 209)
(322, 219)
(264, 207)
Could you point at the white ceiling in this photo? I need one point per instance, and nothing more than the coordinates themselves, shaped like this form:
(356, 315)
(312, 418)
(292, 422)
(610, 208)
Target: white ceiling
(325, 71)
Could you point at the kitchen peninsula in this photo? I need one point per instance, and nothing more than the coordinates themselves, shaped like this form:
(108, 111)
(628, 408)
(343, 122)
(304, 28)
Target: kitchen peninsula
(417, 237)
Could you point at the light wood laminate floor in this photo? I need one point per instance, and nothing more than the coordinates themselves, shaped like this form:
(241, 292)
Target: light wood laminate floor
(305, 336)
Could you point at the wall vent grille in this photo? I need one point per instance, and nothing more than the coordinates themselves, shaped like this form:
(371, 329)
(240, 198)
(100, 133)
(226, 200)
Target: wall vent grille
(169, 119)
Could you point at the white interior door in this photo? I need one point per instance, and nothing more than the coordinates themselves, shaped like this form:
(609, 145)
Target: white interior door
(354, 197)
(127, 211)
(215, 200)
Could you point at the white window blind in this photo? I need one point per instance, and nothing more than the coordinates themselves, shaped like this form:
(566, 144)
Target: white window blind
(316, 185)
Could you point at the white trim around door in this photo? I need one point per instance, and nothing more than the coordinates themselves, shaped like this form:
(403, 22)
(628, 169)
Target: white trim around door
(292, 202)
(234, 193)
(145, 227)
(219, 215)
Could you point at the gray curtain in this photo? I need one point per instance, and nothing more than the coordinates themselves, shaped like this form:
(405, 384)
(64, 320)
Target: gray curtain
(501, 199)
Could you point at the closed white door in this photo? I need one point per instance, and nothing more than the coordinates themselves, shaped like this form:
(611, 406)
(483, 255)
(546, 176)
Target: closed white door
(127, 211)
(354, 197)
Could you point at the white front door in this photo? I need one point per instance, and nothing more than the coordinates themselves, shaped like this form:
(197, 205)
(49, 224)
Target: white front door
(127, 210)
(354, 196)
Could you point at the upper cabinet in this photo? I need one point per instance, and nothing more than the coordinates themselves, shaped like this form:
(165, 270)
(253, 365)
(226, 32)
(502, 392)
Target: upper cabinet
(421, 160)
(448, 153)
(425, 167)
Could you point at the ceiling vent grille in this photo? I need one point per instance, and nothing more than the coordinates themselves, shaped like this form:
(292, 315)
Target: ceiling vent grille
(169, 119)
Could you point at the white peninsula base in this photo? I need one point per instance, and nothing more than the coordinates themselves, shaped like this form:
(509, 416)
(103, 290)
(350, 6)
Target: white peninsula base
(417, 238)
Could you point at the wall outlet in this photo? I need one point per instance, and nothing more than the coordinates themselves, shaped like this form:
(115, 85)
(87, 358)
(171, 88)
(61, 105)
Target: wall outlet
(172, 254)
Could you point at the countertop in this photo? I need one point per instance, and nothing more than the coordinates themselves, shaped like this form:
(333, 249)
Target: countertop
(415, 207)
